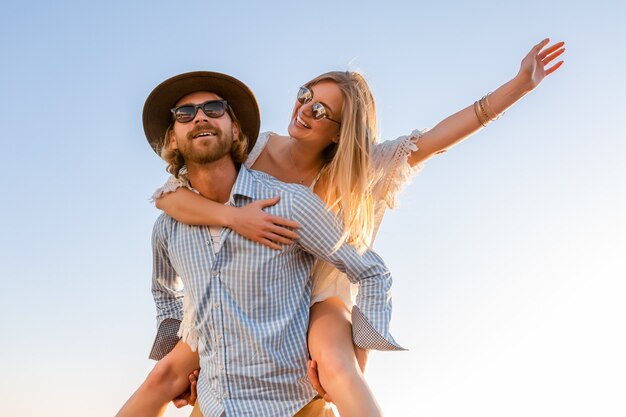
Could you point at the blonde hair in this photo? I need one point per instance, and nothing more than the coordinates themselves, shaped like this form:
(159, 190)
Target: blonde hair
(175, 161)
(347, 169)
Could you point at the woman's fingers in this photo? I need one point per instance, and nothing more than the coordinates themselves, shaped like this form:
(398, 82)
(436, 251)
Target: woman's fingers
(554, 68)
(282, 230)
(277, 220)
(549, 58)
(269, 244)
(268, 202)
(551, 49)
(277, 238)
(282, 221)
(540, 46)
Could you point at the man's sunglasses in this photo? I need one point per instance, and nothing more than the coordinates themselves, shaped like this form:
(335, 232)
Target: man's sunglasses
(319, 110)
(212, 108)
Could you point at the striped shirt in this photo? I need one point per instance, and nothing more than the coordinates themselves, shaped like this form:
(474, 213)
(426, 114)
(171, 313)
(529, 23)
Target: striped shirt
(252, 302)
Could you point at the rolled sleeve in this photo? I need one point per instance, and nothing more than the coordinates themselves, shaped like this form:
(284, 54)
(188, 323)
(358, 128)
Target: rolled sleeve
(165, 340)
(320, 232)
(168, 293)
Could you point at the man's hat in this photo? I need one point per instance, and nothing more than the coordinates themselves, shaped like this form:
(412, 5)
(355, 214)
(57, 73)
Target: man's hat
(157, 115)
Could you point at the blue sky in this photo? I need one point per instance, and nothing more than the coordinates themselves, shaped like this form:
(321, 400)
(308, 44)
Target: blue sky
(507, 251)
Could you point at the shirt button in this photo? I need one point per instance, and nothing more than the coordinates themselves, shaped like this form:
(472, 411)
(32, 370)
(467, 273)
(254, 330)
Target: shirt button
(219, 337)
(222, 366)
(214, 273)
(225, 395)
(216, 305)
(208, 242)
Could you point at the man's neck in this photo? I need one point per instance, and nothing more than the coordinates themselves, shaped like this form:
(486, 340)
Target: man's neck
(214, 180)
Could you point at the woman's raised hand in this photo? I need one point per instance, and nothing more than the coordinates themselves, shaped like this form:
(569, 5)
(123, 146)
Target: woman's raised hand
(272, 231)
(534, 67)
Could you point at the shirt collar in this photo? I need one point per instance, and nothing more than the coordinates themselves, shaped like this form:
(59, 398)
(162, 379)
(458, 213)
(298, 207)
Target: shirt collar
(245, 184)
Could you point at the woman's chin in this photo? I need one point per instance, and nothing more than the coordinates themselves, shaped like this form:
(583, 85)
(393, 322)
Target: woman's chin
(294, 130)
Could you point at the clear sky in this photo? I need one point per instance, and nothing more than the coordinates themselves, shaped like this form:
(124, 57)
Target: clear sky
(507, 252)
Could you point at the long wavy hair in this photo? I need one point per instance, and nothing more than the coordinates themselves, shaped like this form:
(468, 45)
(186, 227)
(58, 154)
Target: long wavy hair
(347, 169)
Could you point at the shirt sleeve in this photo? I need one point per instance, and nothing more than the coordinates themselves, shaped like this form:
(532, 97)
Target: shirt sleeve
(168, 293)
(319, 234)
(391, 168)
(187, 331)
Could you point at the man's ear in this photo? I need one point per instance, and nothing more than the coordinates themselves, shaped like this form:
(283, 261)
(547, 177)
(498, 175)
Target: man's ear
(172, 140)
(235, 132)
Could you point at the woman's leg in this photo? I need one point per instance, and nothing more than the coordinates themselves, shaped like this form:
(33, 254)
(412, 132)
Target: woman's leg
(330, 344)
(168, 379)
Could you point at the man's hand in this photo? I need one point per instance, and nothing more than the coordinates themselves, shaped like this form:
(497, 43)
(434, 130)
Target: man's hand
(313, 376)
(188, 397)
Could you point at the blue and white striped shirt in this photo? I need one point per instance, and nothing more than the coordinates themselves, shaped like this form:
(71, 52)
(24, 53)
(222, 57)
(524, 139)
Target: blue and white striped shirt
(252, 302)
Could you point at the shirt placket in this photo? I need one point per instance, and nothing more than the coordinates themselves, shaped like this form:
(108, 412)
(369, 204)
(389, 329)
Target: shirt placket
(217, 318)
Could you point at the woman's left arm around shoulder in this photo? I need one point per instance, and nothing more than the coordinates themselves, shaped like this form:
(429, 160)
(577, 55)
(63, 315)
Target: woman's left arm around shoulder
(460, 125)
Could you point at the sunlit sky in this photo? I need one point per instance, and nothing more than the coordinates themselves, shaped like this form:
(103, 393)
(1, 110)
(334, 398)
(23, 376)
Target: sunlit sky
(507, 252)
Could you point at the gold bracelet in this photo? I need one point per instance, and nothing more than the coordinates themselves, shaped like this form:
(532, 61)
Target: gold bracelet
(483, 111)
(488, 109)
(482, 118)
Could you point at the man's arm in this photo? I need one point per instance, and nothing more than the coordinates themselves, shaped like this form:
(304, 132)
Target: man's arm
(319, 234)
(168, 293)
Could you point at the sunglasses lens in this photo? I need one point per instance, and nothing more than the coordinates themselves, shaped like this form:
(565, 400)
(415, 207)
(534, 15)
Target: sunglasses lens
(304, 95)
(214, 109)
(184, 114)
(319, 112)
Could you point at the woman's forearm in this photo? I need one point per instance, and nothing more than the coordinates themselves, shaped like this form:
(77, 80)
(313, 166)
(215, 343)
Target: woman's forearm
(461, 125)
(535, 66)
(193, 209)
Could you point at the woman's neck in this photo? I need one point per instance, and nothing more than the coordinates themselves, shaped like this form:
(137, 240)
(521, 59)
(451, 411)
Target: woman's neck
(303, 157)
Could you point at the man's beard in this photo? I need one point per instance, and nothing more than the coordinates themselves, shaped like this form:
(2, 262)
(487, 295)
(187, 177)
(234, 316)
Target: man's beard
(213, 149)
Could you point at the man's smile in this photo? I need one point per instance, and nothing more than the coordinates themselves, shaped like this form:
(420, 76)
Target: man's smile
(203, 133)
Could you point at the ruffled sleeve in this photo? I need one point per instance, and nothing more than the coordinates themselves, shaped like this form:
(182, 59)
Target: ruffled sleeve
(391, 168)
(260, 144)
(172, 184)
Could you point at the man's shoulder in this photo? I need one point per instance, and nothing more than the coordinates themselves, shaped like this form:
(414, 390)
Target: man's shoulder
(163, 218)
(162, 223)
(267, 181)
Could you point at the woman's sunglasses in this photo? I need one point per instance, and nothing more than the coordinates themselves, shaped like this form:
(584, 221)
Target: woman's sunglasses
(212, 108)
(319, 110)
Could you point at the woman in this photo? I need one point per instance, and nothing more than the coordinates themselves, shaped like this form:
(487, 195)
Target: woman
(329, 146)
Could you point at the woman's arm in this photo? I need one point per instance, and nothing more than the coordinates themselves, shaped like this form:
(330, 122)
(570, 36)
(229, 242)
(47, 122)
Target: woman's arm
(190, 208)
(249, 221)
(464, 123)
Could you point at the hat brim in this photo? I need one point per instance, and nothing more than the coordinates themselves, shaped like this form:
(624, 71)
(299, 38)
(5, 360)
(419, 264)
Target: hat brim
(157, 114)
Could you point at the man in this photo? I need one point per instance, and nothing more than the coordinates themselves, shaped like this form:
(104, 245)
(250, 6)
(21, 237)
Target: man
(252, 302)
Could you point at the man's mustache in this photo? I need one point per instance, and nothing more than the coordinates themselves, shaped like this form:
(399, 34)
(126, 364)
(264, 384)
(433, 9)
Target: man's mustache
(204, 127)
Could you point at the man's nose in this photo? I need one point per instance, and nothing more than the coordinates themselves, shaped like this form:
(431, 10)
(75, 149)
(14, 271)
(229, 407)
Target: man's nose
(200, 116)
